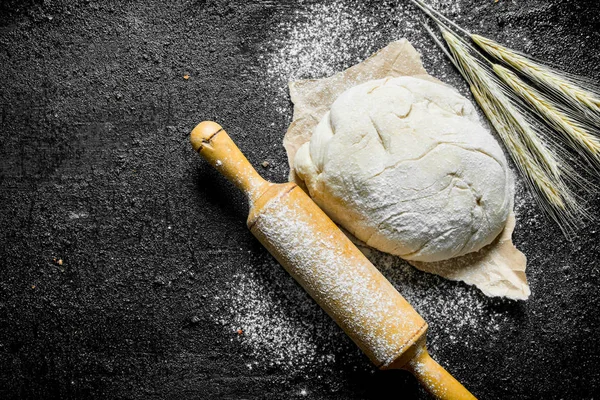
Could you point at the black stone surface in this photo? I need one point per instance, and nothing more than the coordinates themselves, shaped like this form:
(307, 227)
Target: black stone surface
(96, 171)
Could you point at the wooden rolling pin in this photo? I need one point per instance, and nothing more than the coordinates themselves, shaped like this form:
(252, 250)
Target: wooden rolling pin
(330, 267)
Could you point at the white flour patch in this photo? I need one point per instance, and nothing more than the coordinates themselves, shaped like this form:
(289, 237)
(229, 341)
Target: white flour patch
(329, 37)
(78, 214)
(275, 334)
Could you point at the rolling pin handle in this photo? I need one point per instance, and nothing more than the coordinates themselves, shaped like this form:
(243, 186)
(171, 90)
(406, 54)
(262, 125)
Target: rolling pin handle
(211, 141)
(436, 380)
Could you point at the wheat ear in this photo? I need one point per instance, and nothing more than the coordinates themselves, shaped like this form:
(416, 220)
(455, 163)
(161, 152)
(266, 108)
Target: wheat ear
(566, 87)
(485, 82)
(538, 164)
(578, 136)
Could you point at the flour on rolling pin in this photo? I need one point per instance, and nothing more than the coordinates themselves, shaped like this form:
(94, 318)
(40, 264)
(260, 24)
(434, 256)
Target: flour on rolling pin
(367, 307)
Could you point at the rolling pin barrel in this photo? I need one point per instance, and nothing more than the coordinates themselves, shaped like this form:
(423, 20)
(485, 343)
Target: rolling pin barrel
(330, 267)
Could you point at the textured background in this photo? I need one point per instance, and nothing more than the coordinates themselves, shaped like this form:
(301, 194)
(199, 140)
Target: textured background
(161, 292)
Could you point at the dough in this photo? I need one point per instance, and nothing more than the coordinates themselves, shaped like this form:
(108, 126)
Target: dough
(406, 166)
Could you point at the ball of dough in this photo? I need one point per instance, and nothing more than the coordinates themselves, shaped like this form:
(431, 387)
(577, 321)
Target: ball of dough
(406, 166)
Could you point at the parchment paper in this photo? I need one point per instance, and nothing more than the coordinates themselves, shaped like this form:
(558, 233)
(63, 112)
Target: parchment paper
(499, 268)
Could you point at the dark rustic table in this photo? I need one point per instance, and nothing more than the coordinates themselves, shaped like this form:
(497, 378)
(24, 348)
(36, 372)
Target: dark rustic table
(127, 270)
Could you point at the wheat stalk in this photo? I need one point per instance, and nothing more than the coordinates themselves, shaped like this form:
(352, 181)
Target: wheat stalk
(484, 81)
(580, 137)
(538, 164)
(566, 87)
(543, 165)
(535, 176)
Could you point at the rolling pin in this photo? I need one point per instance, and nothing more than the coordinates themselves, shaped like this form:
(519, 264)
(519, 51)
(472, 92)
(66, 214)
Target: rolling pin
(330, 267)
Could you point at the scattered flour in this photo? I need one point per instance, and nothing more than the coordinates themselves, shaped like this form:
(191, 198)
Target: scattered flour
(261, 322)
(328, 37)
(289, 334)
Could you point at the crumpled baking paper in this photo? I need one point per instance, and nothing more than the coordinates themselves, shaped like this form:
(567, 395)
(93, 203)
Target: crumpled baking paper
(499, 268)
